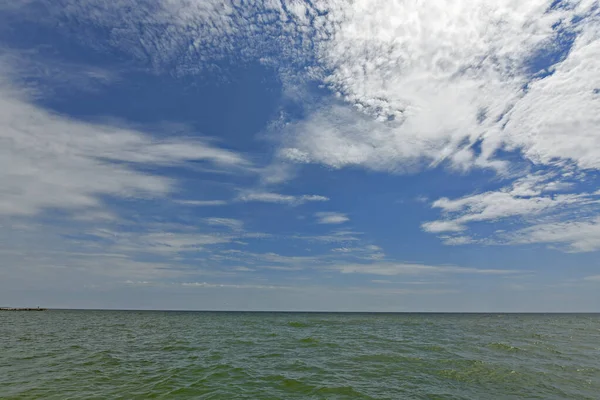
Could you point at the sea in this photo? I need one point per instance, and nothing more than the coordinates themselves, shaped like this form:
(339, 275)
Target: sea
(70, 354)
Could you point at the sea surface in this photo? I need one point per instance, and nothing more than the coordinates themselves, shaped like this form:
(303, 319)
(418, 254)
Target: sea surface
(206, 355)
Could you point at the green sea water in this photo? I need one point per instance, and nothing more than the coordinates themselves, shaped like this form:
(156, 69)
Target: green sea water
(202, 355)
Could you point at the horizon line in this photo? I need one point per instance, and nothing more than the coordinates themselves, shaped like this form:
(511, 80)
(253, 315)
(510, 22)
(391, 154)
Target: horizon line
(315, 311)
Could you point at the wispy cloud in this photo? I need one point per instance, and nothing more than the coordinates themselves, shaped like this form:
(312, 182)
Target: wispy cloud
(333, 237)
(268, 197)
(231, 223)
(532, 200)
(52, 161)
(331, 218)
(577, 236)
(391, 269)
(229, 286)
(41, 76)
(202, 203)
(169, 242)
(269, 260)
(369, 252)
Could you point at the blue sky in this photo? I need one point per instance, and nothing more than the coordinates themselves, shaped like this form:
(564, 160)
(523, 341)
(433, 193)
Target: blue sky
(351, 156)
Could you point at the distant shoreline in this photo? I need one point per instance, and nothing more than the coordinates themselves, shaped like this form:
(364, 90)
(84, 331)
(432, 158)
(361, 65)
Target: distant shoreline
(22, 309)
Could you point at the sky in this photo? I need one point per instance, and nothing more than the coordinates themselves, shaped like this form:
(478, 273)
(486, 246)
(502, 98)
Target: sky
(366, 155)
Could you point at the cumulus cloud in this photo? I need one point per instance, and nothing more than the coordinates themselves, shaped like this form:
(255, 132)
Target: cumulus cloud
(331, 218)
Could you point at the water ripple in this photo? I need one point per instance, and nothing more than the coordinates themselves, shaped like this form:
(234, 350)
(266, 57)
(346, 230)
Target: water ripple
(141, 355)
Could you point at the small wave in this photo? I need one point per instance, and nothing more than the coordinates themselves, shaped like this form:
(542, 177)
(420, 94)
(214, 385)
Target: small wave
(224, 371)
(538, 336)
(482, 373)
(300, 387)
(102, 358)
(270, 355)
(244, 342)
(298, 324)
(504, 347)
(341, 390)
(290, 384)
(385, 358)
(434, 347)
(178, 348)
(309, 340)
(551, 350)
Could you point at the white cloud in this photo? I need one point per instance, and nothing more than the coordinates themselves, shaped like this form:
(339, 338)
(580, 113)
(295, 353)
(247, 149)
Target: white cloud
(277, 172)
(560, 115)
(202, 203)
(430, 80)
(176, 242)
(267, 259)
(366, 249)
(579, 236)
(268, 197)
(231, 223)
(331, 218)
(229, 286)
(244, 269)
(427, 81)
(536, 209)
(41, 77)
(593, 278)
(333, 237)
(164, 242)
(382, 281)
(186, 37)
(458, 240)
(51, 161)
(391, 269)
(531, 196)
(207, 285)
(492, 206)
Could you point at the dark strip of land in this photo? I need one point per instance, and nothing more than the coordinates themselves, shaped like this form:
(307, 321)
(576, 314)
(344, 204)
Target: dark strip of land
(22, 309)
